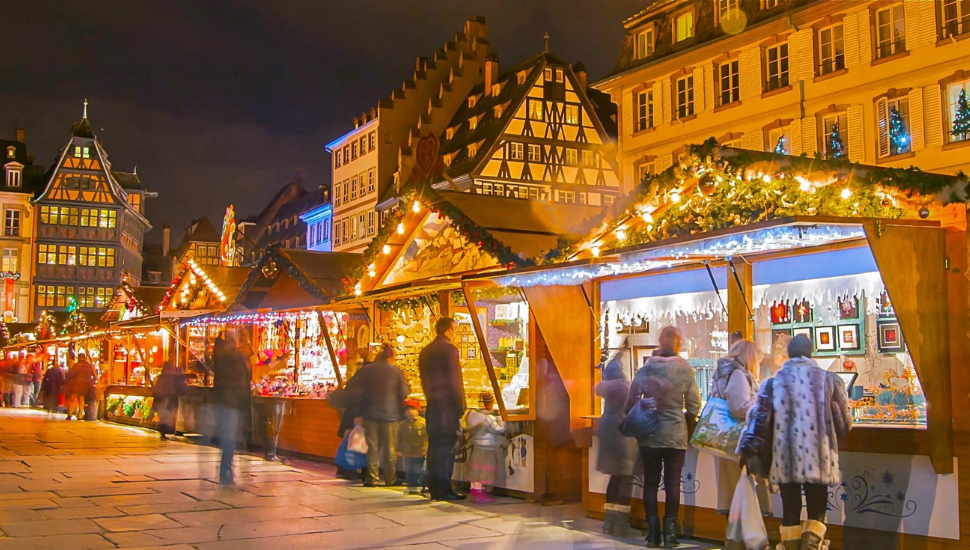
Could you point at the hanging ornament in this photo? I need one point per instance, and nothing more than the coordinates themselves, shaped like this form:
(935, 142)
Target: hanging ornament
(924, 212)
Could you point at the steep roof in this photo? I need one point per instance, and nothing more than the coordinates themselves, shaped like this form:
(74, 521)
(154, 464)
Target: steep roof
(128, 180)
(322, 275)
(227, 279)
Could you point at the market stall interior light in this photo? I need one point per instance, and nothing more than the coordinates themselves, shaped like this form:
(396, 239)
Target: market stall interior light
(386, 249)
(416, 207)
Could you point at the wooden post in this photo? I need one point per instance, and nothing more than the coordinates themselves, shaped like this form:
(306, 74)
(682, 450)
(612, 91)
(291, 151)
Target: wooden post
(739, 318)
(483, 345)
(333, 355)
(445, 305)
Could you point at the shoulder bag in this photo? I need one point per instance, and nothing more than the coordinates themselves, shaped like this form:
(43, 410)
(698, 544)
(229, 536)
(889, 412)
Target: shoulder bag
(756, 441)
(642, 419)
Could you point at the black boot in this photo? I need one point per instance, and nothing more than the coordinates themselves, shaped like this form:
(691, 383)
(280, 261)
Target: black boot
(670, 533)
(653, 532)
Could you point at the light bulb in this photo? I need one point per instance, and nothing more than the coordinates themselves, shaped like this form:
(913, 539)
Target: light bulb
(675, 197)
(416, 207)
(620, 235)
(400, 228)
(386, 249)
(596, 251)
(846, 193)
(766, 178)
(647, 217)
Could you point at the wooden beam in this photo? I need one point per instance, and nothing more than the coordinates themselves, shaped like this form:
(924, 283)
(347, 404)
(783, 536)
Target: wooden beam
(740, 318)
(483, 345)
(333, 355)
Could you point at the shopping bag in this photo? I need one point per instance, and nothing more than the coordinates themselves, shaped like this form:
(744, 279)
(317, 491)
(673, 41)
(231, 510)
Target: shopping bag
(745, 522)
(642, 419)
(717, 432)
(347, 459)
(356, 442)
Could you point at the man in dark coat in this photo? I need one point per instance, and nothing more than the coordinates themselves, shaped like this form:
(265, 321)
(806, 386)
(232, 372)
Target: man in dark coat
(231, 395)
(440, 370)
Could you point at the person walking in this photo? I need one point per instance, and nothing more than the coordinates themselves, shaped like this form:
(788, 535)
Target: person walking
(19, 383)
(412, 441)
(79, 383)
(169, 386)
(6, 382)
(811, 412)
(51, 388)
(231, 394)
(35, 371)
(617, 454)
(440, 370)
(669, 379)
(383, 390)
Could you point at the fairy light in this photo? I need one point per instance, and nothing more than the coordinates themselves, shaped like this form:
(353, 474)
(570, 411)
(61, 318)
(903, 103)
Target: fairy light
(766, 178)
(386, 249)
(595, 251)
(357, 289)
(675, 197)
(416, 207)
(400, 228)
(846, 193)
(620, 235)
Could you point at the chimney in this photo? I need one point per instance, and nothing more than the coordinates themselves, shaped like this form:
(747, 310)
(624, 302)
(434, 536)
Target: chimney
(166, 239)
(580, 71)
(20, 135)
(491, 72)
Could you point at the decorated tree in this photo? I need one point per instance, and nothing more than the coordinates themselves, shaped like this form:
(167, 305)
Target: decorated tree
(45, 327)
(961, 118)
(76, 323)
(836, 147)
(780, 146)
(898, 134)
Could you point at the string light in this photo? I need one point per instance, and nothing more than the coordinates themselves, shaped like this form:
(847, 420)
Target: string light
(846, 193)
(400, 228)
(675, 197)
(386, 249)
(620, 235)
(596, 251)
(416, 207)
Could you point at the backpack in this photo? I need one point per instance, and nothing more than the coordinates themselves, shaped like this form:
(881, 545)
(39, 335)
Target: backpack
(755, 446)
(641, 422)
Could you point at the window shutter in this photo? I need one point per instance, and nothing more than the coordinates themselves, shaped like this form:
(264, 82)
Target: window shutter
(627, 123)
(803, 46)
(865, 47)
(699, 88)
(795, 135)
(932, 116)
(629, 171)
(658, 94)
(753, 141)
(665, 104)
(750, 67)
(916, 118)
(911, 16)
(927, 22)
(708, 71)
(664, 162)
(809, 136)
(850, 31)
(882, 127)
(856, 129)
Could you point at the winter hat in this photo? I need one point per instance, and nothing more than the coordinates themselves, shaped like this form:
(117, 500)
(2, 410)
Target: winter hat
(800, 346)
(614, 370)
(412, 404)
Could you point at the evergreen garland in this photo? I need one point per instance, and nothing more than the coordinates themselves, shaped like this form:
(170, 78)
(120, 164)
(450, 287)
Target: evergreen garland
(898, 135)
(76, 323)
(961, 119)
(835, 146)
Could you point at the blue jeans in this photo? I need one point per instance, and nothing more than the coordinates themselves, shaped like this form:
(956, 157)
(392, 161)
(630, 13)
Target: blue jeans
(227, 428)
(414, 468)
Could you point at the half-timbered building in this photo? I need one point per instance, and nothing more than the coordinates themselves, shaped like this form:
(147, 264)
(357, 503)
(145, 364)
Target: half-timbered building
(90, 226)
(534, 132)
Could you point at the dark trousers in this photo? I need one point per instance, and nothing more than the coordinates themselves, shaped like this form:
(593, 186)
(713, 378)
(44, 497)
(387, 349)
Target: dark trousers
(441, 462)
(791, 502)
(414, 469)
(671, 462)
(619, 490)
(227, 428)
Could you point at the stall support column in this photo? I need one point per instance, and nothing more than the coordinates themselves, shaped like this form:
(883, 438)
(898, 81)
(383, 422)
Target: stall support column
(445, 306)
(739, 300)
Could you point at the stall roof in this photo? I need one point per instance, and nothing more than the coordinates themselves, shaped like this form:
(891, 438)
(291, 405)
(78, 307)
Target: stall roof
(228, 280)
(143, 299)
(321, 275)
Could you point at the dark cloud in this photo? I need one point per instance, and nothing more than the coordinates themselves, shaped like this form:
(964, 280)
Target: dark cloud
(220, 102)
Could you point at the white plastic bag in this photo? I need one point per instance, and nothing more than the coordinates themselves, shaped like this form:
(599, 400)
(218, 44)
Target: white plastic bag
(356, 441)
(745, 523)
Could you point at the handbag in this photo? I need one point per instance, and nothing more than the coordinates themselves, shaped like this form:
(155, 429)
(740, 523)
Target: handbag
(642, 419)
(717, 432)
(758, 436)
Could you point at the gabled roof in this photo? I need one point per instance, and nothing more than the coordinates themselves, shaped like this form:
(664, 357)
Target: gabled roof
(227, 279)
(142, 301)
(199, 231)
(321, 275)
(128, 180)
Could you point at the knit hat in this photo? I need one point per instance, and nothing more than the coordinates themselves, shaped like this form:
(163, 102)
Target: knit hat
(413, 404)
(800, 346)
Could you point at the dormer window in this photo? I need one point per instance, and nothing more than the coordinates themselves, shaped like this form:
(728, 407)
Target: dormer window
(82, 152)
(472, 150)
(11, 152)
(473, 123)
(684, 26)
(449, 132)
(496, 88)
(497, 111)
(13, 175)
(520, 77)
(471, 101)
(448, 158)
(645, 43)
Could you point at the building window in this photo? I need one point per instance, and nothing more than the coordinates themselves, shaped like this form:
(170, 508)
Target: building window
(777, 71)
(104, 296)
(893, 118)
(336, 194)
(13, 177)
(108, 219)
(68, 216)
(346, 155)
(607, 200)
(535, 153)
(567, 197)
(779, 141)
(535, 109)
(371, 222)
(831, 49)
(572, 114)
(684, 26)
(571, 157)
(473, 123)
(346, 190)
(353, 150)
(644, 44)
(956, 17)
(11, 260)
(336, 159)
(363, 145)
(587, 157)
(371, 180)
(82, 152)
(685, 96)
(645, 170)
(644, 110)
(89, 217)
(46, 254)
(45, 295)
(66, 255)
(890, 31)
(958, 109)
(835, 135)
(134, 199)
(372, 141)
(515, 151)
(727, 9)
(729, 82)
(11, 152)
(337, 233)
(106, 257)
(11, 223)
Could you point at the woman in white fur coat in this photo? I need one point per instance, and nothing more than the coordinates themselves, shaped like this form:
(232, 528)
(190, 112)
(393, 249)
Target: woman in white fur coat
(811, 413)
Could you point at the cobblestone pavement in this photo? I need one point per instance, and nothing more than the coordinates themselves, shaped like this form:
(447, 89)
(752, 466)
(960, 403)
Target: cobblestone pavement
(80, 485)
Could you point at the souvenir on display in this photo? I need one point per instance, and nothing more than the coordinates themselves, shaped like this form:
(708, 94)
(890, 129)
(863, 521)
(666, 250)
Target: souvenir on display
(849, 337)
(804, 331)
(780, 313)
(802, 312)
(890, 337)
(777, 333)
(849, 308)
(885, 305)
(825, 338)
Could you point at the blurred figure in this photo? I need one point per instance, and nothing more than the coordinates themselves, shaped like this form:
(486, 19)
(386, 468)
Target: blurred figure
(6, 381)
(19, 383)
(231, 394)
(773, 361)
(382, 392)
(670, 380)
(412, 441)
(79, 383)
(617, 455)
(35, 371)
(51, 387)
(440, 370)
(169, 386)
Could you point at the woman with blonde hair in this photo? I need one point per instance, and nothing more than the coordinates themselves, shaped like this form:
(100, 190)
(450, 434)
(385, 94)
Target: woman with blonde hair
(669, 379)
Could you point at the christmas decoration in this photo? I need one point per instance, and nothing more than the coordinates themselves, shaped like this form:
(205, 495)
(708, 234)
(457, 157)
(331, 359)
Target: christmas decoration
(414, 304)
(835, 146)
(961, 118)
(898, 135)
(924, 212)
(200, 288)
(780, 145)
(76, 323)
(45, 326)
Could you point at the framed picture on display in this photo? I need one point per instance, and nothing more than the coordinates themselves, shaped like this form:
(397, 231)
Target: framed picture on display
(777, 333)
(849, 308)
(849, 338)
(885, 305)
(802, 312)
(890, 337)
(640, 354)
(804, 331)
(780, 313)
(825, 338)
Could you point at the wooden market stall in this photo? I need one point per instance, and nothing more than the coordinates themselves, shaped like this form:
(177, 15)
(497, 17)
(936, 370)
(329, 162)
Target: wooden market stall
(869, 263)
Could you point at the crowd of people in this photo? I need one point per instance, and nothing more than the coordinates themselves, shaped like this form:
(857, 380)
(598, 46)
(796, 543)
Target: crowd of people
(26, 382)
(811, 412)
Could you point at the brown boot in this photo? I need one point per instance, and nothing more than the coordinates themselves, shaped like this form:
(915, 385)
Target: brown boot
(813, 535)
(791, 538)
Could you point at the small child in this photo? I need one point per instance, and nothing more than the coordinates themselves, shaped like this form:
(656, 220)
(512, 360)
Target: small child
(485, 436)
(412, 442)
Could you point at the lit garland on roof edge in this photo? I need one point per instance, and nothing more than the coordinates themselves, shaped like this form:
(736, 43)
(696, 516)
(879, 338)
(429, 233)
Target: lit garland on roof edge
(712, 190)
(275, 259)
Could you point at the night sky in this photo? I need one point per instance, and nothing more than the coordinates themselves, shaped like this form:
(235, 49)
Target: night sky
(219, 102)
